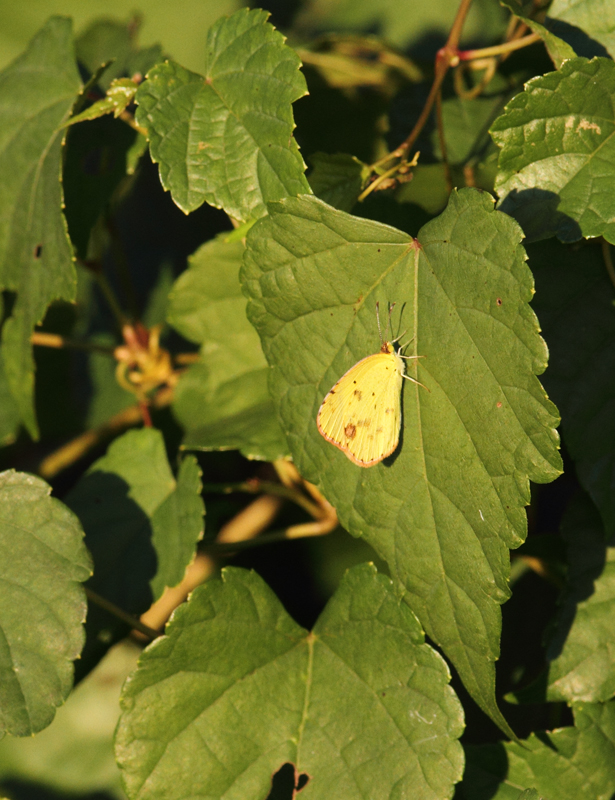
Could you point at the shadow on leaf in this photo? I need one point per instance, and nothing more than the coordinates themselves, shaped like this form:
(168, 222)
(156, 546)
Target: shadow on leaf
(536, 210)
(118, 534)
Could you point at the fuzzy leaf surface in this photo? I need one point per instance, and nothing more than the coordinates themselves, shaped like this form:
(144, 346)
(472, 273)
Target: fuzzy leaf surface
(223, 401)
(573, 763)
(225, 138)
(37, 92)
(42, 603)
(446, 506)
(557, 161)
(580, 650)
(361, 705)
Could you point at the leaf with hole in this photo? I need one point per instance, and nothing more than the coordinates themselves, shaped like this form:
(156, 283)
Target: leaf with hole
(236, 689)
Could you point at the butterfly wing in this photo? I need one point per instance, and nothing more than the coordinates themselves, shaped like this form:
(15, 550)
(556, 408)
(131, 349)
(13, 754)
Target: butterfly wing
(361, 415)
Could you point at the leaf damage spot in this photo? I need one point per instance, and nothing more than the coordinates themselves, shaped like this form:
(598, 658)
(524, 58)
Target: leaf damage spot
(202, 146)
(38, 251)
(586, 125)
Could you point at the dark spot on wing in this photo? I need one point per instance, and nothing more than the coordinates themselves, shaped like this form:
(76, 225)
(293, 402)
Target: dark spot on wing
(350, 431)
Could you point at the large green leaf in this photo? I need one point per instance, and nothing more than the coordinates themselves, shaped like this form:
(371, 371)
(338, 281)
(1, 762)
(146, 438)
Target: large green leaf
(580, 650)
(574, 302)
(236, 689)
(566, 764)
(37, 92)
(595, 17)
(42, 604)
(226, 137)
(557, 161)
(443, 510)
(223, 401)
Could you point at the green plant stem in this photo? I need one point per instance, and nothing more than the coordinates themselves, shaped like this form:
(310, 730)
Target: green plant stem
(447, 56)
(498, 49)
(608, 261)
(43, 339)
(134, 622)
(111, 299)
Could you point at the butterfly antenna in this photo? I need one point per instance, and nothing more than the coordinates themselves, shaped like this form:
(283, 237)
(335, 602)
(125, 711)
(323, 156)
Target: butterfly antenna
(391, 307)
(378, 321)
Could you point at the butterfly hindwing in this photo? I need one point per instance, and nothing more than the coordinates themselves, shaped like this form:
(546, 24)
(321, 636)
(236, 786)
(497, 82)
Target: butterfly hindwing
(361, 415)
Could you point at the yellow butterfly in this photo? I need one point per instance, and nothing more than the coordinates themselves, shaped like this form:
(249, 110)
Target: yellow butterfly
(361, 415)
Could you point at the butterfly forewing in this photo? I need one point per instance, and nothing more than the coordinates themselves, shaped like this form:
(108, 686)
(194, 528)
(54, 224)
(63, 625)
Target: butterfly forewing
(362, 413)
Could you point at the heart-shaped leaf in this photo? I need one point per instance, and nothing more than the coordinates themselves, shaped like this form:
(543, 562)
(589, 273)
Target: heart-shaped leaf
(557, 160)
(361, 705)
(226, 137)
(443, 510)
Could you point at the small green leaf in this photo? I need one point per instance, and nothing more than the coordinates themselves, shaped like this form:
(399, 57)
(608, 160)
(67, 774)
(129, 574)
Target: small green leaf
(558, 49)
(444, 509)
(222, 402)
(337, 179)
(236, 689)
(574, 302)
(42, 603)
(565, 764)
(129, 502)
(594, 17)
(580, 650)
(226, 138)
(466, 127)
(557, 160)
(177, 526)
(529, 794)
(37, 92)
(120, 95)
